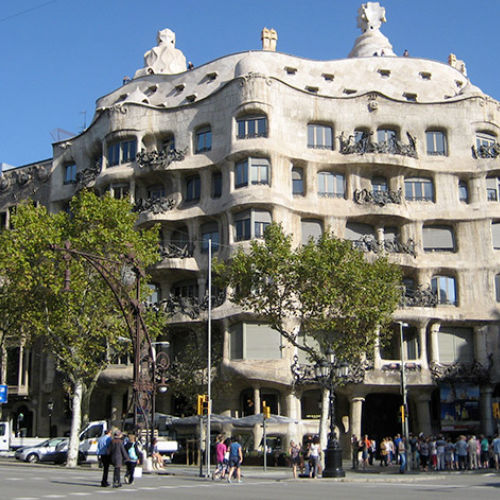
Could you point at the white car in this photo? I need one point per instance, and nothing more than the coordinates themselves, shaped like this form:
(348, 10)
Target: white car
(38, 453)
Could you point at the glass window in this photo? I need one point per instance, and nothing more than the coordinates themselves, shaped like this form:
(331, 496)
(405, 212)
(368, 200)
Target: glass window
(120, 191)
(168, 144)
(485, 139)
(379, 184)
(70, 174)
(495, 235)
(185, 289)
(210, 231)
(255, 170)
(154, 297)
(311, 229)
(419, 189)
(463, 192)
(455, 344)
(497, 287)
(251, 224)
(493, 188)
(319, 136)
(203, 140)
(387, 135)
(355, 231)
(297, 181)
(216, 184)
(252, 126)
(156, 192)
(193, 188)
(122, 152)
(438, 239)
(445, 288)
(436, 143)
(331, 185)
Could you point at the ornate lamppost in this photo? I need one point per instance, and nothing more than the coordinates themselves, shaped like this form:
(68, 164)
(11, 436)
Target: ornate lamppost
(150, 370)
(329, 373)
(50, 409)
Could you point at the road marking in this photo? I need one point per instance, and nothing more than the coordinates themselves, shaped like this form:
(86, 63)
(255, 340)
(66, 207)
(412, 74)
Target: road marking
(80, 494)
(53, 496)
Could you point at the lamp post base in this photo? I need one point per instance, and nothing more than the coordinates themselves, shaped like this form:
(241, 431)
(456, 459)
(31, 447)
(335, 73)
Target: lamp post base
(333, 463)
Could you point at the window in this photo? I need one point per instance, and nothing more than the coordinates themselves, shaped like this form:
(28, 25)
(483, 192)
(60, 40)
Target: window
(251, 224)
(216, 184)
(445, 288)
(254, 169)
(185, 289)
(193, 188)
(70, 174)
(122, 152)
(355, 231)
(495, 235)
(254, 341)
(154, 297)
(203, 140)
(311, 229)
(297, 181)
(493, 188)
(252, 126)
(436, 143)
(386, 135)
(319, 136)
(419, 189)
(455, 344)
(331, 185)
(210, 231)
(379, 184)
(497, 287)
(120, 191)
(438, 239)
(156, 192)
(360, 133)
(411, 341)
(463, 191)
(168, 143)
(485, 139)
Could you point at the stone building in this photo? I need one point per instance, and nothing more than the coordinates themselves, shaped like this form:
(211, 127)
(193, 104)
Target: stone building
(398, 154)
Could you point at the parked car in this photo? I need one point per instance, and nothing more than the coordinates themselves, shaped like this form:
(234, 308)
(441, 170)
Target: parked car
(60, 454)
(39, 452)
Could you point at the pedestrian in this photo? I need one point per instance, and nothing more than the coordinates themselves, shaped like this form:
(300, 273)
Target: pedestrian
(384, 453)
(402, 455)
(314, 456)
(220, 453)
(496, 451)
(372, 451)
(103, 454)
(424, 452)
(440, 450)
(156, 455)
(415, 459)
(235, 459)
(472, 452)
(355, 452)
(134, 457)
(365, 451)
(449, 454)
(294, 452)
(433, 449)
(485, 452)
(118, 456)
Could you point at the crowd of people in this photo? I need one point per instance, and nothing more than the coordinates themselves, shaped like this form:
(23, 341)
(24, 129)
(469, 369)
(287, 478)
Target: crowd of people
(428, 453)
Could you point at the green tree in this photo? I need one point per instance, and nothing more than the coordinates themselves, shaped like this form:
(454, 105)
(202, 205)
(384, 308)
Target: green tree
(81, 327)
(321, 295)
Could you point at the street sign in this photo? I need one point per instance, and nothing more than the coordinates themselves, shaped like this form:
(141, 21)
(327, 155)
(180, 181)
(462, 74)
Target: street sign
(3, 394)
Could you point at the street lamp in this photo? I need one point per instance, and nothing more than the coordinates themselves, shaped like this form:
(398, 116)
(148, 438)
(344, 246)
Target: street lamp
(330, 374)
(404, 389)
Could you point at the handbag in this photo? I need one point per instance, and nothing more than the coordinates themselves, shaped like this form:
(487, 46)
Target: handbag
(137, 472)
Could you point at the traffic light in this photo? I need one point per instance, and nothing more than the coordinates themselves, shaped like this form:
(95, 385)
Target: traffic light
(202, 405)
(266, 410)
(402, 414)
(496, 410)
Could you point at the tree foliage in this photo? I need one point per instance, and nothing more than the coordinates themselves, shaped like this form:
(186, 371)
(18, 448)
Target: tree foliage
(82, 327)
(328, 291)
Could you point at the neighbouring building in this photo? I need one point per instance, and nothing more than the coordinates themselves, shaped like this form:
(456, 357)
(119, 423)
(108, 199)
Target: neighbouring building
(398, 154)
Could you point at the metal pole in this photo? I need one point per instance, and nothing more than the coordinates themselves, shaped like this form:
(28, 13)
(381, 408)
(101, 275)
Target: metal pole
(404, 390)
(209, 355)
(265, 440)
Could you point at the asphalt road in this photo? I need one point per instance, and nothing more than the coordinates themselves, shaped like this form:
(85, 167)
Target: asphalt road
(32, 482)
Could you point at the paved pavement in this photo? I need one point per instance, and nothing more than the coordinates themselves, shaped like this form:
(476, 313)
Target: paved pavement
(21, 481)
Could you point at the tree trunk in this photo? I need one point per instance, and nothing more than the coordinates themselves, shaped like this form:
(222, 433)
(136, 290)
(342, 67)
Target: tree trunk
(74, 441)
(323, 422)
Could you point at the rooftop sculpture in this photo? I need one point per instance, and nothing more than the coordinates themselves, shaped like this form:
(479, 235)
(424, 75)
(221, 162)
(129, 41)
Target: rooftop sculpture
(164, 58)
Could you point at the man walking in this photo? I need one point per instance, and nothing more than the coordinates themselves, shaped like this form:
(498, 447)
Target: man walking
(118, 456)
(235, 459)
(104, 456)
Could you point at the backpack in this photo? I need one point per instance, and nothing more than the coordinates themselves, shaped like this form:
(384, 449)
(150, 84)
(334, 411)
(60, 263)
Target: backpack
(132, 453)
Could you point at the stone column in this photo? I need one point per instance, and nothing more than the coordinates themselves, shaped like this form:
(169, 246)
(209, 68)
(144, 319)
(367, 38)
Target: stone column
(487, 427)
(256, 401)
(434, 354)
(422, 341)
(377, 357)
(356, 415)
(423, 415)
(480, 348)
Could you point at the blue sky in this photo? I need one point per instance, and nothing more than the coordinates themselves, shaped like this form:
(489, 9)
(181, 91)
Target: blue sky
(59, 56)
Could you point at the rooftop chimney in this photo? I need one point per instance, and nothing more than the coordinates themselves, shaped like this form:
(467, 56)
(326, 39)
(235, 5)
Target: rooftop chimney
(269, 39)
